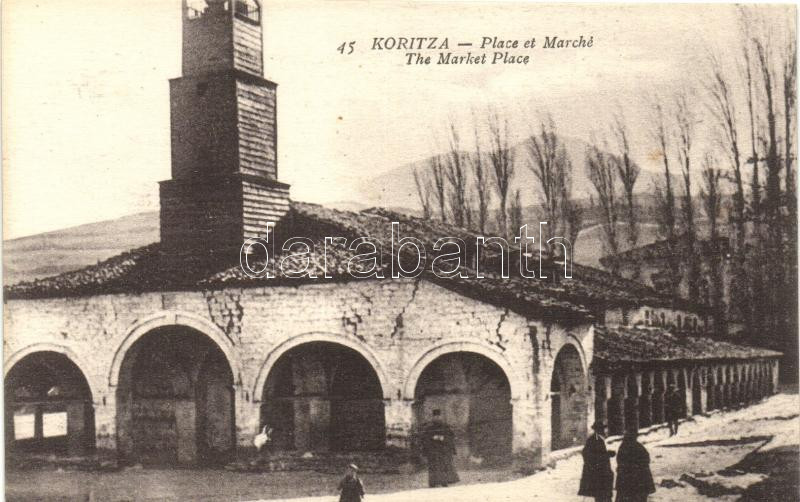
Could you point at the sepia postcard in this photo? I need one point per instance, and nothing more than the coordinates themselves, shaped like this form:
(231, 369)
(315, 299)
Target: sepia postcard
(399, 251)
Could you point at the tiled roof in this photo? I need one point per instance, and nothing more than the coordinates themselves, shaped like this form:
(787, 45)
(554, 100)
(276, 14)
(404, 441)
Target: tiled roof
(622, 346)
(589, 292)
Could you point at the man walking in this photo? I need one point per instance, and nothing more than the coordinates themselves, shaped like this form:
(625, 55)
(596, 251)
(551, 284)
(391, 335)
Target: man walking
(674, 408)
(597, 478)
(438, 447)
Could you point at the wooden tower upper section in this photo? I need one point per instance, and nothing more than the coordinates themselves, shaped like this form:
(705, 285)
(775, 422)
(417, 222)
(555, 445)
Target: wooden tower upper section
(224, 186)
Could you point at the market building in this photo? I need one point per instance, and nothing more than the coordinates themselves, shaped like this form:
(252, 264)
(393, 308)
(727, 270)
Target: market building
(172, 354)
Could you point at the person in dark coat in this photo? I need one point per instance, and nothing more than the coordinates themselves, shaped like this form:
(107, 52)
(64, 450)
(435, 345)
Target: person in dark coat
(350, 487)
(674, 408)
(439, 447)
(634, 479)
(597, 478)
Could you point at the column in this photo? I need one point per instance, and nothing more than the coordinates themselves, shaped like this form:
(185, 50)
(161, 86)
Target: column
(616, 406)
(602, 395)
(746, 382)
(711, 387)
(740, 384)
(701, 380)
(726, 386)
(531, 429)
(773, 365)
(660, 387)
(686, 381)
(759, 380)
(734, 385)
(646, 400)
(632, 401)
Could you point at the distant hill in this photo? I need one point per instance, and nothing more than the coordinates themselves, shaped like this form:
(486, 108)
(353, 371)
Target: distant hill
(396, 188)
(72, 248)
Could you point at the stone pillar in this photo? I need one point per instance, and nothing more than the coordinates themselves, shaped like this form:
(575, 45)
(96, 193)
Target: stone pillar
(527, 442)
(248, 417)
(660, 387)
(687, 391)
(701, 380)
(616, 406)
(399, 418)
(76, 420)
(105, 421)
(759, 380)
(634, 385)
(646, 400)
(726, 386)
(740, 391)
(602, 395)
(773, 368)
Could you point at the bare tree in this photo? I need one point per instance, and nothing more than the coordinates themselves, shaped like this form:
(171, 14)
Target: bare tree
(439, 184)
(481, 184)
(712, 204)
(423, 192)
(665, 194)
(601, 170)
(721, 106)
(502, 162)
(546, 160)
(455, 170)
(628, 172)
(515, 212)
(789, 112)
(685, 131)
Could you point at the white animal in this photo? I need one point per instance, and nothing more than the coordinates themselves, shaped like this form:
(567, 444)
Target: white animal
(262, 438)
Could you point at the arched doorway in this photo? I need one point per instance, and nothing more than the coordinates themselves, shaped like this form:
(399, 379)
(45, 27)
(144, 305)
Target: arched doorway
(568, 396)
(175, 399)
(323, 396)
(474, 397)
(48, 406)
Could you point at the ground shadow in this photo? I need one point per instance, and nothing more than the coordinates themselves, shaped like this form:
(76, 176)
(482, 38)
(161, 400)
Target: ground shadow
(781, 467)
(718, 442)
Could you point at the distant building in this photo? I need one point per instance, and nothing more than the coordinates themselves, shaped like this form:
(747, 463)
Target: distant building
(171, 354)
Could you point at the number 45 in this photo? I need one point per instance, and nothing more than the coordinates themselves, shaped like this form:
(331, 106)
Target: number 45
(350, 46)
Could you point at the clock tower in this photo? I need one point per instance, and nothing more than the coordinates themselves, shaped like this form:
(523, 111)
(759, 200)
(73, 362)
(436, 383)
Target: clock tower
(224, 187)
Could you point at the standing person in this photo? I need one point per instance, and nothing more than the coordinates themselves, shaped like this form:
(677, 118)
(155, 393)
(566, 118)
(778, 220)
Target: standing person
(439, 447)
(675, 403)
(350, 487)
(597, 478)
(634, 479)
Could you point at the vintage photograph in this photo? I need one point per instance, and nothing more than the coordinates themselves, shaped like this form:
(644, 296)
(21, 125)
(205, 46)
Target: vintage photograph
(415, 251)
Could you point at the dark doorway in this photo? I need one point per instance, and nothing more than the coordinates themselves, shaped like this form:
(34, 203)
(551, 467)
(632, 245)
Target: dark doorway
(175, 400)
(474, 397)
(569, 400)
(324, 396)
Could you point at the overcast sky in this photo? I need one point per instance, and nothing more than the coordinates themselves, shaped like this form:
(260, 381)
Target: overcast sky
(86, 104)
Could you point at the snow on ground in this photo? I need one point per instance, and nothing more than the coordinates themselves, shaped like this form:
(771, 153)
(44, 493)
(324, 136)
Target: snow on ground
(689, 466)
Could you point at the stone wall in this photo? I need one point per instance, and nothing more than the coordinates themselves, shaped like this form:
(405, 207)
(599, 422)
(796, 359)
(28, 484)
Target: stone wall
(398, 326)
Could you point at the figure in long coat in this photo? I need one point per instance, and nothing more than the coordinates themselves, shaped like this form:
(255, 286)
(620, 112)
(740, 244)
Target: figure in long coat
(597, 478)
(634, 479)
(674, 408)
(439, 447)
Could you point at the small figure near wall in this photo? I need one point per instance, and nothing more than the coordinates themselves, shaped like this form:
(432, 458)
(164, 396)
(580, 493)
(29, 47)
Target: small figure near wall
(438, 446)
